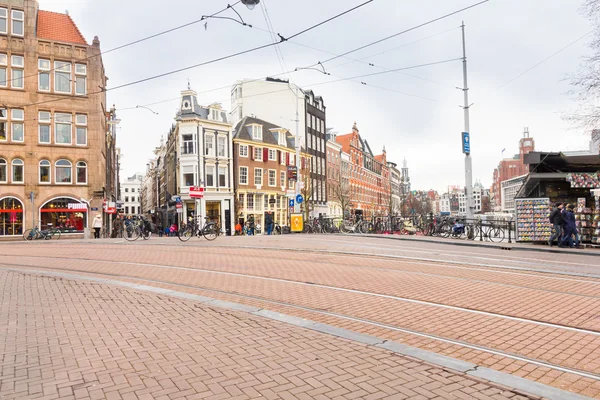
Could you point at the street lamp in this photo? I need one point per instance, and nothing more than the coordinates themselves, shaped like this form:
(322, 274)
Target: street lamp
(250, 3)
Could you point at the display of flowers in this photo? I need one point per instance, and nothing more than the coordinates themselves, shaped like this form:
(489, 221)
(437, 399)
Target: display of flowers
(589, 181)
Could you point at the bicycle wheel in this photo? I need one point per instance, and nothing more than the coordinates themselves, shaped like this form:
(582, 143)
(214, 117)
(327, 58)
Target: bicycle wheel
(54, 234)
(146, 234)
(186, 233)
(210, 232)
(131, 233)
(496, 235)
(30, 234)
(445, 230)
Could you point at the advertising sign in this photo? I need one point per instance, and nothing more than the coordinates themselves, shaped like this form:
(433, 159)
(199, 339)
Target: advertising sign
(196, 192)
(297, 222)
(466, 143)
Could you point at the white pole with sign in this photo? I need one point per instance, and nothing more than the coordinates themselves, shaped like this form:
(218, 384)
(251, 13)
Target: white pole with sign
(466, 139)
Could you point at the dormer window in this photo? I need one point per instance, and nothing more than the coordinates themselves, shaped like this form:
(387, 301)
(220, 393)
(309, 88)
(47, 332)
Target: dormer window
(282, 138)
(214, 114)
(257, 132)
(186, 105)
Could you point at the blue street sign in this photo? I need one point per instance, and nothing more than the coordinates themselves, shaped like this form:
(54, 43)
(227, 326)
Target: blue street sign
(291, 203)
(466, 143)
(177, 199)
(299, 199)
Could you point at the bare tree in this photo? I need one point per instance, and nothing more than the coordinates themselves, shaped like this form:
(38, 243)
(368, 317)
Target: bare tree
(341, 193)
(586, 83)
(307, 192)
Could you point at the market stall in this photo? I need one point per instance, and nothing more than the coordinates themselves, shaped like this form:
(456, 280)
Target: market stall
(558, 178)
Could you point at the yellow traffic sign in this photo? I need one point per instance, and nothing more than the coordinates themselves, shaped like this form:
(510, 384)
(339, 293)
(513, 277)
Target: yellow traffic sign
(297, 222)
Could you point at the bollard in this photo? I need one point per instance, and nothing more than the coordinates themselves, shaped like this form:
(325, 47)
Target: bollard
(509, 231)
(480, 231)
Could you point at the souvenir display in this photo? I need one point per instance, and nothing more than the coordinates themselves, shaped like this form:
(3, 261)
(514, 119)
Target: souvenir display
(533, 224)
(588, 181)
(595, 217)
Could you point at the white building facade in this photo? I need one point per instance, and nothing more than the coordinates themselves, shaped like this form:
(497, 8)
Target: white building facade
(204, 138)
(509, 189)
(131, 191)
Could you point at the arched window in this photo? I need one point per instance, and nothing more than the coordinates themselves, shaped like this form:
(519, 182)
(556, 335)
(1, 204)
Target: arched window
(11, 215)
(62, 172)
(3, 172)
(81, 173)
(45, 171)
(18, 171)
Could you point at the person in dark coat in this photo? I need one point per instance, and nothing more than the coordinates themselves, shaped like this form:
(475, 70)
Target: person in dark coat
(570, 227)
(269, 223)
(556, 218)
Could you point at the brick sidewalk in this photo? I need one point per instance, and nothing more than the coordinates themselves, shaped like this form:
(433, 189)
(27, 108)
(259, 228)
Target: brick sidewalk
(71, 339)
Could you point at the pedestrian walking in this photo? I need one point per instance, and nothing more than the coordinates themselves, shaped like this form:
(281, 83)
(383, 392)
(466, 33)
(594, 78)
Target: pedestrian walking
(556, 219)
(269, 223)
(97, 225)
(570, 227)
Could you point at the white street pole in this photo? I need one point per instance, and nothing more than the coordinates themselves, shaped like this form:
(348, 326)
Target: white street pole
(468, 161)
(298, 161)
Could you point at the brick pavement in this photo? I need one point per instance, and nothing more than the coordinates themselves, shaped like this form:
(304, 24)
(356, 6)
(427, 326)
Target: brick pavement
(71, 339)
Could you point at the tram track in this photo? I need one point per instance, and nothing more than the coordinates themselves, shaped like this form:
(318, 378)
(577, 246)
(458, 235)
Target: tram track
(540, 363)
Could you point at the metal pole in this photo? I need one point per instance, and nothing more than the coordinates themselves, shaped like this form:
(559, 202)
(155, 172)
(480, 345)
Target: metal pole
(298, 147)
(468, 161)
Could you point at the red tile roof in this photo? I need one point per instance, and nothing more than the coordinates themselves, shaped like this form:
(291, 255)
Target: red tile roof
(379, 158)
(345, 140)
(58, 27)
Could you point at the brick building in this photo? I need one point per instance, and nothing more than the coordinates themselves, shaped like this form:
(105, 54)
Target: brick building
(369, 175)
(54, 136)
(262, 154)
(510, 168)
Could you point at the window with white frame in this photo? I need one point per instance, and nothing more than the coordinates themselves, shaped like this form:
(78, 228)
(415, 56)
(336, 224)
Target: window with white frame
(81, 130)
(18, 172)
(292, 158)
(44, 121)
(309, 139)
(189, 175)
(292, 184)
(272, 178)
(243, 150)
(221, 146)
(258, 176)
(62, 77)
(80, 79)
(282, 138)
(3, 69)
(62, 128)
(17, 63)
(308, 120)
(209, 145)
(3, 20)
(222, 176)
(258, 153)
(3, 171)
(44, 75)
(210, 175)
(258, 202)
(18, 18)
(3, 124)
(272, 155)
(17, 125)
(62, 172)
(282, 179)
(257, 132)
(82, 173)
(188, 144)
(243, 175)
(250, 201)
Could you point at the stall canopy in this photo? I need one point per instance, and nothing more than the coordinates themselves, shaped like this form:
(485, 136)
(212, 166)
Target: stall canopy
(554, 167)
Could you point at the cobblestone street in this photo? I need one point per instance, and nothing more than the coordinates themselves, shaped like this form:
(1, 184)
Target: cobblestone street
(358, 318)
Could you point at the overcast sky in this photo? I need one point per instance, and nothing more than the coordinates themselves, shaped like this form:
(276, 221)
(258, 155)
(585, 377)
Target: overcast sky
(417, 117)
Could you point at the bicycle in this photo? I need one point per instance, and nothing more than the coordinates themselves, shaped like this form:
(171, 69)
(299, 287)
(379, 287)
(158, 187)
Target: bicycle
(36, 234)
(492, 232)
(210, 231)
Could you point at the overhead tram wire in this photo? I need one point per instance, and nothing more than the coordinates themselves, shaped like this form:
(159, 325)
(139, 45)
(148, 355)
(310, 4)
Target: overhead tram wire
(204, 17)
(283, 39)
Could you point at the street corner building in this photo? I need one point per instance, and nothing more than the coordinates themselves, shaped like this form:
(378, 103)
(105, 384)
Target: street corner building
(264, 158)
(53, 166)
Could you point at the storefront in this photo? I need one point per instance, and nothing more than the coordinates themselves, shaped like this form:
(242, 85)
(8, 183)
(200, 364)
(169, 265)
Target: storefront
(558, 178)
(67, 214)
(11, 217)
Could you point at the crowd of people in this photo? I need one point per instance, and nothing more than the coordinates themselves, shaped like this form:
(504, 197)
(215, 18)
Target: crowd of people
(565, 231)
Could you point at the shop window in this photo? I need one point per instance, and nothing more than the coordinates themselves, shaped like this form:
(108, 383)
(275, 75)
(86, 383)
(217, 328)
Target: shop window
(17, 171)
(67, 214)
(11, 217)
(81, 173)
(63, 172)
(45, 171)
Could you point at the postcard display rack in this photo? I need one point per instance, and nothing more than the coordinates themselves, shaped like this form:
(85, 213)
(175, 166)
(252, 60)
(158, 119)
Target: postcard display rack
(596, 221)
(533, 224)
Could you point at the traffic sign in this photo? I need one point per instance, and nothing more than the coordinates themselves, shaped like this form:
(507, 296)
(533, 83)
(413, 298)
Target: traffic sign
(176, 199)
(179, 205)
(299, 199)
(297, 222)
(291, 203)
(196, 192)
(466, 143)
